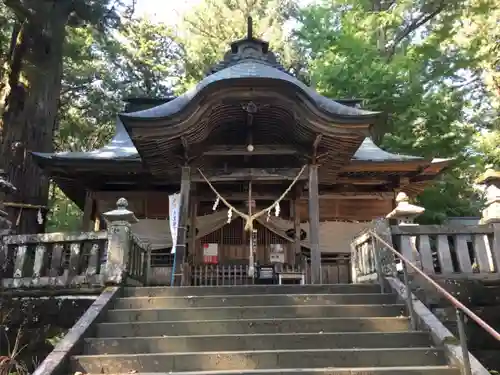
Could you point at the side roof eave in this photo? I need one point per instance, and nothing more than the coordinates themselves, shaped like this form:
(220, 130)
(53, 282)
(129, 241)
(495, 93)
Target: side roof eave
(369, 155)
(120, 150)
(369, 151)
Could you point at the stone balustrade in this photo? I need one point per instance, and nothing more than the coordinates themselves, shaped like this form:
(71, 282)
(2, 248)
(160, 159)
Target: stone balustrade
(442, 251)
(62, 260)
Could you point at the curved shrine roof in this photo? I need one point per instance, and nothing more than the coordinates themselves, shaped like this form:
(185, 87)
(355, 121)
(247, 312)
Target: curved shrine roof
(255, 69)
(248, 59)
(121, 147)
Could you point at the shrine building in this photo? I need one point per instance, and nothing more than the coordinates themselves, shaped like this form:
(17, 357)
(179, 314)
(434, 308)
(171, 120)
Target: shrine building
(248, 133)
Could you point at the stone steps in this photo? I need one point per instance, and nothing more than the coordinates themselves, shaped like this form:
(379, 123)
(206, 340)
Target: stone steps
(253, 300)
(275, 330)
(282, 341)
(253, 312)
(159, 291)
(261, 359)
(251, 326)
(407, 370)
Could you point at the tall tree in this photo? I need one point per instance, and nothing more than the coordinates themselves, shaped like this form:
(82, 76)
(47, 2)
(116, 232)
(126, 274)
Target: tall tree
(7, 23)
(35, 68)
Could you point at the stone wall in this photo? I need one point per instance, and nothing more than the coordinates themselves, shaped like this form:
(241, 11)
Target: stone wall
(39, 322)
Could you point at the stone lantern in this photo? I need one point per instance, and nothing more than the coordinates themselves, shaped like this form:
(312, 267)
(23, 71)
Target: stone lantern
(119, 222)
(405, 212)
(491, 212)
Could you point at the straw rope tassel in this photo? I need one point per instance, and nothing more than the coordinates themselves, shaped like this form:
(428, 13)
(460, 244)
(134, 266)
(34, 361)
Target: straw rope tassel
(250, 219)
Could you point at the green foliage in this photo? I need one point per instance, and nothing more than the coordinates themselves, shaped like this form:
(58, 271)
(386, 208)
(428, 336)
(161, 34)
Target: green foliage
(405, 61)
(88, 103)
(487, 144)
(431, 67)
(209, 28)
(147, 59)
(138, 59)
(64, 215)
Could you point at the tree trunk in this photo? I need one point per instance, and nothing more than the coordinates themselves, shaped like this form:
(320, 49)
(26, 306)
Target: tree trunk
(31, 108)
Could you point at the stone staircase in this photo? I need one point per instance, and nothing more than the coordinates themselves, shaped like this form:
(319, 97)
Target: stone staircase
(291, 329)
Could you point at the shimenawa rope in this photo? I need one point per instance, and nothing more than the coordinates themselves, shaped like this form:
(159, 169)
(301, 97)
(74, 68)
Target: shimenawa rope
(250, 219)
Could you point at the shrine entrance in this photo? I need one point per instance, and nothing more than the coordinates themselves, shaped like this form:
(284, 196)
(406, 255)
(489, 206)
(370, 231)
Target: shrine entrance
(249, 131)
(253, 135)
(232, 246)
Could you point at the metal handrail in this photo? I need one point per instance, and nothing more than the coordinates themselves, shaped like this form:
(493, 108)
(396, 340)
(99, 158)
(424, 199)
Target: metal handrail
(459, 306)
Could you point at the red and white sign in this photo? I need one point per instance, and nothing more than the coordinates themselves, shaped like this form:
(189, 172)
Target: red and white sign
(210, 253)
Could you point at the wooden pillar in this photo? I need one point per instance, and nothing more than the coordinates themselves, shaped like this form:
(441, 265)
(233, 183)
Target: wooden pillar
(296, 227)
(88, 212)
(192, 225)
(183, 220)
(252, 250)
(96, 216)
(314, 225)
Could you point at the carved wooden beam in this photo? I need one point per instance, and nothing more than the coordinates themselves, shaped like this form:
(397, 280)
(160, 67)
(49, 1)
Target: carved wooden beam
(225, 150)
(207, 196)
(246, 174)
(362, 181)
(382, 167)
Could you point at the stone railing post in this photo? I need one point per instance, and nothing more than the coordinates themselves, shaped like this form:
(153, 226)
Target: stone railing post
(5, 188)
(405, 214)
(118, 221)
(491, 212)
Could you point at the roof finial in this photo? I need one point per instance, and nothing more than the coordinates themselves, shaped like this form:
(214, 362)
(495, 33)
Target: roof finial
(249, 27)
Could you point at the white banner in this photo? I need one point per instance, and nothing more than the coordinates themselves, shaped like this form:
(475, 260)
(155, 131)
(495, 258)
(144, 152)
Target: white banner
(173, 207)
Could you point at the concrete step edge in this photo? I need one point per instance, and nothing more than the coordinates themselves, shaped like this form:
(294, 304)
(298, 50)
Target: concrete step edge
(348, 370)
(257, 335)
(278, 351)
(354, 305)
(234, 296)
(255, 286)
(260, 320)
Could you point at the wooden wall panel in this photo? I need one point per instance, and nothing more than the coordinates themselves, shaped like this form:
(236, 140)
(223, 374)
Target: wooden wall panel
(144, 204)
(157, 206)
(348, 209)
(154, 205)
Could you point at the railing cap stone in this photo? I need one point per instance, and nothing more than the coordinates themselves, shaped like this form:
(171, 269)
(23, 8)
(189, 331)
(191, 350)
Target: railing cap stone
(490, 177)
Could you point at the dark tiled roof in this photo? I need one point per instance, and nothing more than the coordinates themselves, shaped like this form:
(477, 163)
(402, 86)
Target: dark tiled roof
(249, 69)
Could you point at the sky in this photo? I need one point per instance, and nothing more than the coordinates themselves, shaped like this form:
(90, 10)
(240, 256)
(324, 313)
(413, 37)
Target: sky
(170, 14)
